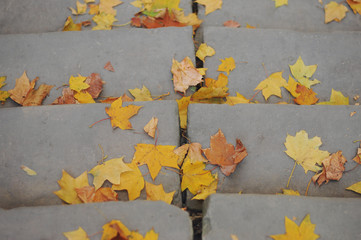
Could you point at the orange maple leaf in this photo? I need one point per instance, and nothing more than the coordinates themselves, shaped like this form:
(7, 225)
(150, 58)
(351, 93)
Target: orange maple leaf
(306, 96)
(167, 20)
(88, 194)
(333, 167)
(224, 154)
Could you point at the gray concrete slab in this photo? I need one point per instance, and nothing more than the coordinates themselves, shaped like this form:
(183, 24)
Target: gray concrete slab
(263, 129)
(38, 16)
(139, 57)
(337, 54)
(258, 216)
(50, 222)
(48, 139)
(307, 15)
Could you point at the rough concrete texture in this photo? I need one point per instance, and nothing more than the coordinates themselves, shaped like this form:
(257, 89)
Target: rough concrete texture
(48, 139)
(38, 16)
(50, 222)
(258, 216)
(139, 57)
(263, 130)
(306, 15)
(337, 54)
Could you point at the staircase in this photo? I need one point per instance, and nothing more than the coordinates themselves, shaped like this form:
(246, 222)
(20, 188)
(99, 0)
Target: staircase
(51, 138)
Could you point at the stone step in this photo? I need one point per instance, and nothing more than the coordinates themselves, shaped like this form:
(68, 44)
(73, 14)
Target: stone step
(36, 16)
(263, 129)
(306, 15)
(48, 139)
(139, 57)
(250, 216)
(51, 221)
(337, 54)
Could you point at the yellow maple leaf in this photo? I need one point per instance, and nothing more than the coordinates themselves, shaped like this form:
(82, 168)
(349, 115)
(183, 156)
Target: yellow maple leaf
(221, 82)
(207, 190)
(81, 8)
(77, 83)
(185, 75)
(151, 127)
(141, 94)
(132, 181)
(227, 65)
(119, 116)
(104, 21)
(337, 98)
(355, 187)
(93, 9)
(106, 6)
(211, 5)
(157, 193)
(183, 110)
(68, 184)
(279, 3)
(303, 232)
(292, 86)
(193, 152)
(207, 93)
(71, 26)
(84, 97)
(109, 170)
(190, 20)
(205, 51)
(78, 234)
(22, 87)
(305, 151)
(230, 100)
(303, 73)
(195, 177)
(355, 5)
(335, 12)
(155, 156)
(28, 170)
(289, 192)
(272, 85)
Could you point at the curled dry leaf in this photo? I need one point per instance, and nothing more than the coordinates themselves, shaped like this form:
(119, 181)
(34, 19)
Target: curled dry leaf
(108, 66)
(157, 193)
(185, 75)
(357, 158)
(225, 154)
(151, 127)
(231, 24)
(333, 167)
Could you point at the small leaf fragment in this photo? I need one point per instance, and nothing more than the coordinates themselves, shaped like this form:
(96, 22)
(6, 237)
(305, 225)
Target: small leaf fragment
(78, 234)
(227, 65)
(357, 158)
(183, 110)
(355, 6)
(157, 193)
(205, 51)
(71, 26)
(231, 24)
(28, 171)
(141, 94)
(151, 127)
(279, 3)
(335, 12)
(355, 187)
(290, 192)
(108, 66)
(336, 98)
(211, 5)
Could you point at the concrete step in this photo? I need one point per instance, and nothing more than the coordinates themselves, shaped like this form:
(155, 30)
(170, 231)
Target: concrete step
(139, 57)
(38, 16)
(258, 216)
(263, 129)
(48, 139)
(50, 222)
(307, 15)
(337, 54)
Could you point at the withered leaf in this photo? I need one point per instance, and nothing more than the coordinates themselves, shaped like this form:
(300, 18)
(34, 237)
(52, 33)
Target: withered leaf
(306, 96)
(333, 167)
(95, 83)
(108, 66)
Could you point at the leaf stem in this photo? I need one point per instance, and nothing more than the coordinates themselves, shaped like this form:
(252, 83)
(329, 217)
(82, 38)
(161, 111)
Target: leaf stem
(103, 156)
(289, 179)
(170, 169)
(156, 139)
(121, 25)
(160, 96)
(254, 95)
(352, 168)
(98, 122)
(308, 187)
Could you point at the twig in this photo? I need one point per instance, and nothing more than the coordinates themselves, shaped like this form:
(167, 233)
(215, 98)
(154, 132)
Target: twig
(98, 122)
(289, 179)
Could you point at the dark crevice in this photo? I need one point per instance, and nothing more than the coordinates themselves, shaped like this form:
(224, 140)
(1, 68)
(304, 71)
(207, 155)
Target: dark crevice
(196, 217)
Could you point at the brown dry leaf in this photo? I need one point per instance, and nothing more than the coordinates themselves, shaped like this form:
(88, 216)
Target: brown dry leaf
(335, 12)
(306, 96)
(95, 83)
(151, 127)
(119, 116)
(211, 5)
(88, 194)
(155, 156)
(355, 5)
(333, 167)
(357, 158)
(231, 24)
(66, 98)
(224, 154)
(185, 75)
(36, 97)
(71, 26)
(157, 193)
(164, 20)
(108, 66)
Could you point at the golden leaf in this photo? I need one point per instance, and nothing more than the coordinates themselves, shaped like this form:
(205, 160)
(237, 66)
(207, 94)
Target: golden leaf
(84, 97)
(151, 127)
(183, 110)
(292, 86)
(28, 171)
(355, 187)
(355, 5)
(207, 190)
(227, 65)
(357, 158)
(109, 170)
(307, 96)
(305, 151)
(22, 87)
(88, 194)
(211, 5)
(79, 234)
(303, 232)
(185, 75)
(205, 51)
(141, 94)
(71, 26)
(290, 192)
(272, 85)
(155, 157)
(2, 81)
(190, 20)
(132, 181)
(236, 100)
(336, 98)
(335, 12)
(81, 8)
(106, 6)
(104, 21)
(207, 93)
(157, 193)
(119, 116)
(303, 73)
(77, 83)
(193, 152)
(68, 184)
(279, 3)
(114, 228)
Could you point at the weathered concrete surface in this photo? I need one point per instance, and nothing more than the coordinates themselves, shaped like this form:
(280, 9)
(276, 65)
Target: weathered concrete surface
(50, 222)
(139, 57)
(48, 139)
(36, 16)
(306, 15)
(263, 129)
(337, 54)
(258, 216)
